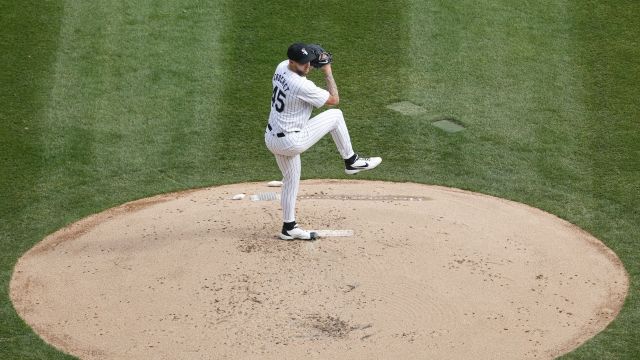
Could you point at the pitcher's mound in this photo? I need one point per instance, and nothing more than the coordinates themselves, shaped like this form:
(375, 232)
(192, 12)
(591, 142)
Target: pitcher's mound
(429, 273)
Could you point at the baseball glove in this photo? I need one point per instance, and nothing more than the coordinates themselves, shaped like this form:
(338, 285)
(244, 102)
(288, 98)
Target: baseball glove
(322, 57)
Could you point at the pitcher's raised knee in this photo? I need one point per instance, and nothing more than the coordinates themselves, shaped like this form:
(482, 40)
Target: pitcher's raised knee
(336, 112)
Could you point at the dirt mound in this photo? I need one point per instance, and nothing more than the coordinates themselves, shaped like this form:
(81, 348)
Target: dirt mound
(430, 272)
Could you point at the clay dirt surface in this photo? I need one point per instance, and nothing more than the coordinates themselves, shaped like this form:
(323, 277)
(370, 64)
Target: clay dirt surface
(429, 273)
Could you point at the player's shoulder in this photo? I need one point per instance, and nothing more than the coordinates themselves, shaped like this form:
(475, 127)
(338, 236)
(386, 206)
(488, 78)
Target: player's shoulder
(283, 65)
(283, 70)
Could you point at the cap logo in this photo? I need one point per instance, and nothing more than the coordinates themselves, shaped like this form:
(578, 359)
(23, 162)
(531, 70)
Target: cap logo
(304, 51)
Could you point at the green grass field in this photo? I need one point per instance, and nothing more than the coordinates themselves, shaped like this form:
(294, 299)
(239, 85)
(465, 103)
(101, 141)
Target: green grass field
(106, 102)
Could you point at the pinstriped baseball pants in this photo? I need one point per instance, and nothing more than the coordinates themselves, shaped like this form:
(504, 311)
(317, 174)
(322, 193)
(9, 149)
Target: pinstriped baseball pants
(287, 151)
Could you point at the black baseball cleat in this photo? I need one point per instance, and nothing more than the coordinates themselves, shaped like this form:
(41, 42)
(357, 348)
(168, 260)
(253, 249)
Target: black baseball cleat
(361, 164)
(297, 233)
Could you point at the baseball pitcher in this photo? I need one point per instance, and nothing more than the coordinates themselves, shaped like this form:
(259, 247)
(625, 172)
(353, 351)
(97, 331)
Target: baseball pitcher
(291, 131)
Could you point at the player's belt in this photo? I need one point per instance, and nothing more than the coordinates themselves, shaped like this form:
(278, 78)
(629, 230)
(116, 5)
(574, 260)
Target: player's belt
(280, 134)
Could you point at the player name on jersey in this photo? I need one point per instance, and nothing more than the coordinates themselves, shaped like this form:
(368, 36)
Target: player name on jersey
(280, 79)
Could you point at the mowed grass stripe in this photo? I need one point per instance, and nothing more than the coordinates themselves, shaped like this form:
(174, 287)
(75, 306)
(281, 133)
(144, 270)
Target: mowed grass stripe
(147, 86)
(28, 43)
(606, 39)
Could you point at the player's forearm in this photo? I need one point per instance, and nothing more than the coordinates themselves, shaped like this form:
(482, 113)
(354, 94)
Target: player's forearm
(332, 88)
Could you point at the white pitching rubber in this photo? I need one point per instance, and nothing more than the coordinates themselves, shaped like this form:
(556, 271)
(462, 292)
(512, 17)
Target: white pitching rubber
(274, 183)
(238, 197)
(270, 196)
(333, 233)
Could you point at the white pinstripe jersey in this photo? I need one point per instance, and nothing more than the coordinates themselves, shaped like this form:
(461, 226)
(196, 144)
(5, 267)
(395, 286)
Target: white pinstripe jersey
(293, 99)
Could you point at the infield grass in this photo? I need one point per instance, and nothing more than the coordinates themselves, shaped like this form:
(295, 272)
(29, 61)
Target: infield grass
(109, 102)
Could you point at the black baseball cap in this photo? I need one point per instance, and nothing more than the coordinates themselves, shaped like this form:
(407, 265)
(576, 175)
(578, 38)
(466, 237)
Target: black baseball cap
(299, 53)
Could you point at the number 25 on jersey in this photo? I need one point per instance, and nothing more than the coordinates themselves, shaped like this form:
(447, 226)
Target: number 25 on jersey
(277, 99)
